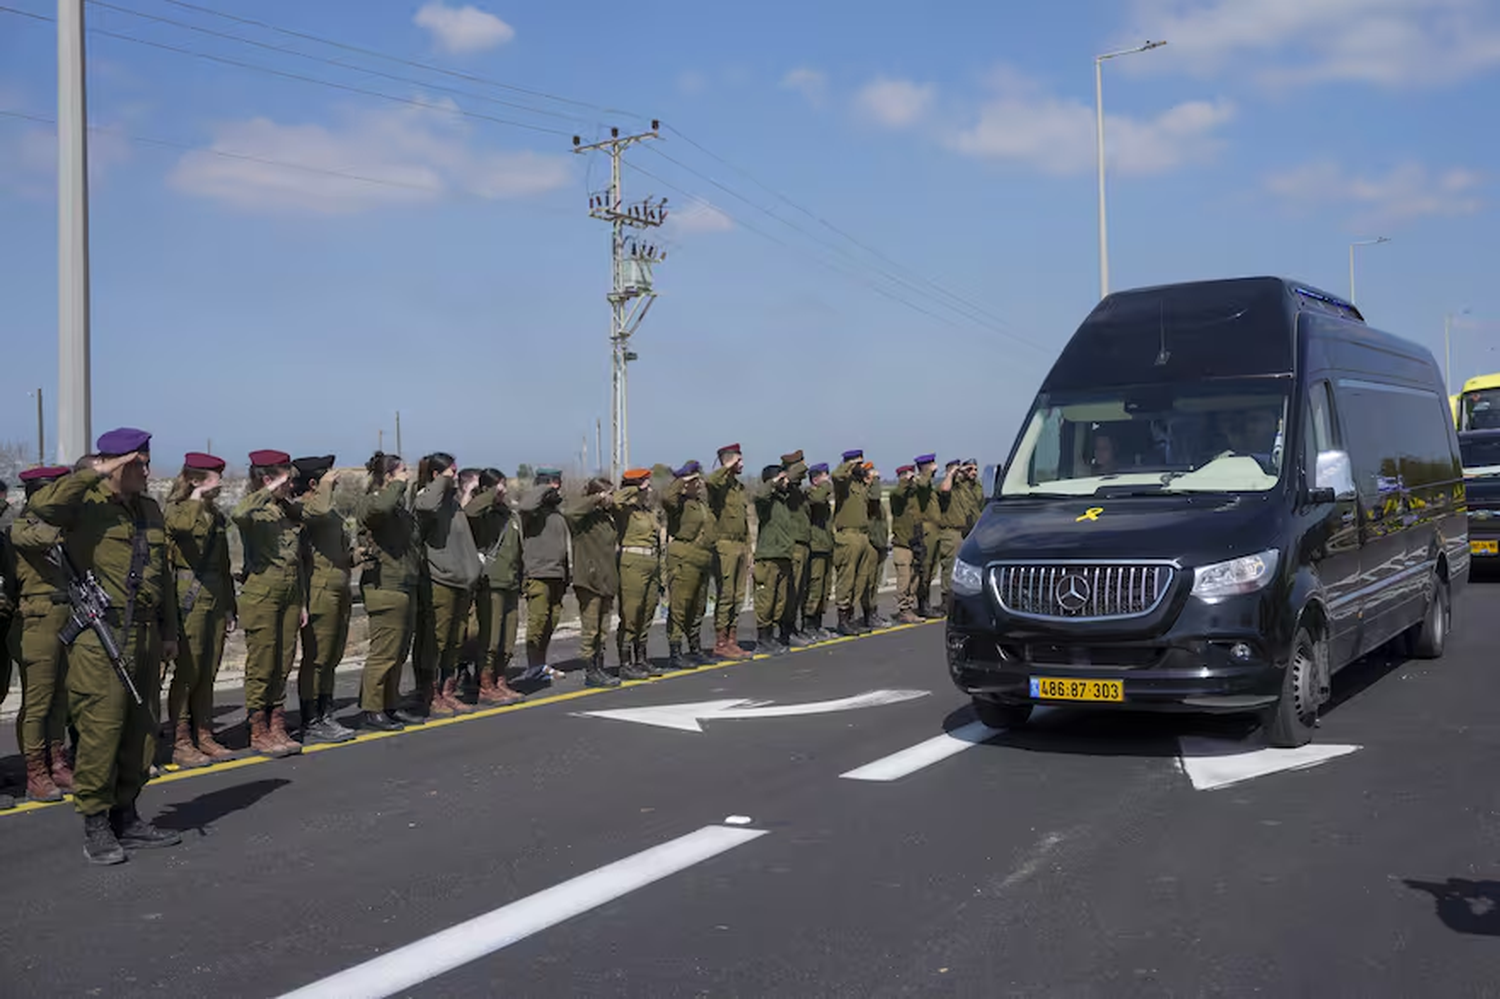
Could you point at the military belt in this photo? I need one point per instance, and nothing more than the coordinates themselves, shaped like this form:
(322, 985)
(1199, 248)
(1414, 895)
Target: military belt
(637, 550)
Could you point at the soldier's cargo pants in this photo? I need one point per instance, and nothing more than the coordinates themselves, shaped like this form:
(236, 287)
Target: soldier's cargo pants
(270, 619)
(392, 614)
(928, 566)
(543, 611)
(773, 577)
(733, 556)
(852, 558)
(43, 663)
(640, 593)
(324, 639)
(497, 617)
(948, 542)
(907, 575)
(876, 576)
(688, 569)
(796, 587)
(819, 580)
(450, 613)
(200, 649)
(116, 736)
(7, 658)
(593, 621)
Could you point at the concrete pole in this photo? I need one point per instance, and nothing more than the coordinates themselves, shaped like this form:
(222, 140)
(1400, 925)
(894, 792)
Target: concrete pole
(1103, 223)
(74, 409)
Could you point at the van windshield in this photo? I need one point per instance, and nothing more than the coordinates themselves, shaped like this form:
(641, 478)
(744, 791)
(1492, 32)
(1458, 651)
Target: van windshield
(1215, 436)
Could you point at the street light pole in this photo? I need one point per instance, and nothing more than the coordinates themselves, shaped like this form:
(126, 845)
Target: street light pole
(1099, 126)
(1362, 242)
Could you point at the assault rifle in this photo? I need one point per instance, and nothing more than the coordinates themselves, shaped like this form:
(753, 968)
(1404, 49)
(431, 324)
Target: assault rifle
(89, 603)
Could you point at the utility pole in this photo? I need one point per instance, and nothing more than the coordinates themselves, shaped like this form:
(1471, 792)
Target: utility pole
(398, 431)
(631, 293)
(381, 438)
(74, 415)
(1099, 139)
(41, 444)
(598, 443)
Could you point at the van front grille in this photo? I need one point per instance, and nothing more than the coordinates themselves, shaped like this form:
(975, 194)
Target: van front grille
(1069, 591)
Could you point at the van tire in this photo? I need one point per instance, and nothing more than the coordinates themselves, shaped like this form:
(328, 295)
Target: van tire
(1001, 714)
(1289, 722)
(1429, 639)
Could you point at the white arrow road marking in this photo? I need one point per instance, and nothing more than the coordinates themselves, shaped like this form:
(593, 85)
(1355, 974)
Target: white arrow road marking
(687, 717)
(924, 754)
(1214, 763)
(456, 946)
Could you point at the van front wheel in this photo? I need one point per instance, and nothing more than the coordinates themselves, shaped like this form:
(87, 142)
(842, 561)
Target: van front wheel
(1289, 723)
(1000, 714)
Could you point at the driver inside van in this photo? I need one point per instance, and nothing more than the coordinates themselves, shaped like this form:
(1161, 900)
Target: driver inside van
(1105, 461)
(1251, 432)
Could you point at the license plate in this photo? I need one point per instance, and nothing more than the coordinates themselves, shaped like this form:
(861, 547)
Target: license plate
(1484, 547)
(1056, 689)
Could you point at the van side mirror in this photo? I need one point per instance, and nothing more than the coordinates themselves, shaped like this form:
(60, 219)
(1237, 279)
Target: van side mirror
(1333, 481)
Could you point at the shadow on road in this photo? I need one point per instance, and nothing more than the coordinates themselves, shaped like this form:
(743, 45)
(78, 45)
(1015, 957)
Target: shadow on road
(206, 809)
(1465, 906)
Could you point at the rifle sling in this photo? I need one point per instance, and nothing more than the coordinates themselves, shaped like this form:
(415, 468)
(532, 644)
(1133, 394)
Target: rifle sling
(140, 550)
(204, 560)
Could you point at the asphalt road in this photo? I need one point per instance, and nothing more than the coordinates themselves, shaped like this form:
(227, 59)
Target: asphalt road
(1077, 857)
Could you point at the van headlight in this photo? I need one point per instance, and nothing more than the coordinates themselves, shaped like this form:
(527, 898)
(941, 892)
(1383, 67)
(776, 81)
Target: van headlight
(1245, 574)
(968, 579)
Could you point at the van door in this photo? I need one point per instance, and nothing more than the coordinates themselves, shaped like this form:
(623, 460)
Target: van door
(1334, 553)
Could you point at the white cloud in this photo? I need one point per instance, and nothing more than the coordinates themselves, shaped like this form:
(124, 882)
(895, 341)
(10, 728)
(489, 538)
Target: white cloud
(405, 155)
(1057, 135)
(894, 103)
(1390, 43)
(698, 217)
(463, 29)
(1406, 192)
(812, 84)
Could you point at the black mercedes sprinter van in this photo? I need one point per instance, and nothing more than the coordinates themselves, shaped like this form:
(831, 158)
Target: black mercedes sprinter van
(1225, 492)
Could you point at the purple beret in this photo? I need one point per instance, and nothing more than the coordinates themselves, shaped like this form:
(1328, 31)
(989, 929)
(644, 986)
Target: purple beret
(925, 459)
(123, 440)
(821, 466)
(851, 455)
(691, 468)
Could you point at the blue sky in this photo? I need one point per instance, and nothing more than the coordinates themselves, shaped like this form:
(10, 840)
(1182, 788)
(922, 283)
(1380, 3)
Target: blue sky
(353, 255)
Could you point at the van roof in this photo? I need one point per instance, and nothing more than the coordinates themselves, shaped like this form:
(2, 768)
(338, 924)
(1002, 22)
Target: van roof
(1299, 294)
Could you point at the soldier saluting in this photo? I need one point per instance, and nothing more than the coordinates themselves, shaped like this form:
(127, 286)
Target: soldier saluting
(112, 528)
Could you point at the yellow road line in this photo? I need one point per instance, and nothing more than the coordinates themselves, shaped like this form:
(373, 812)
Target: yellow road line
(172, 772)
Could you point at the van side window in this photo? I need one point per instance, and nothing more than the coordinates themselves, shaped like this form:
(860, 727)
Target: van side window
(1319, 430)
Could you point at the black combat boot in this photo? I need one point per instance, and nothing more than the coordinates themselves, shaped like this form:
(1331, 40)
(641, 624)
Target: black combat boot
(636, 668)
(642, 653)
(138, 834)
(594, 674)
(335, 731)
(794, 639)
(379, 721)
(675, 660)
(99, 843)
(847, 627)
(696, 655)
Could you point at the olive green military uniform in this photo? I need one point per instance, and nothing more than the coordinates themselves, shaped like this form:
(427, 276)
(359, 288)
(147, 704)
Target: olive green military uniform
(329, 562)
(690, 560)
(452, 569)
(270, 602)
(775, 537)
(544, 557)
(8, 594)
(497, 601)
(953, 517)
(905, 520)
(973, 497)
(40, 657)
(880, 546)
(640, 570)
(104, 533)
(596, 573)
(819, 553)
(387, 586)
(198, 553)
(797, 506)
(726, 501)
(929, 516)
(852, 554)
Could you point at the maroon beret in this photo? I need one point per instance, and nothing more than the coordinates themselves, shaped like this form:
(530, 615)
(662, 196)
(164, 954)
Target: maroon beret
(45, 473)
(904, 469)
(202, 462)
(729, 449)
(263, 459)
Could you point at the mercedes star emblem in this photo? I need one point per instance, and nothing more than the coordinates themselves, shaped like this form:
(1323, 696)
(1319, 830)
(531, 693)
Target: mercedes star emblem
(1072, 593)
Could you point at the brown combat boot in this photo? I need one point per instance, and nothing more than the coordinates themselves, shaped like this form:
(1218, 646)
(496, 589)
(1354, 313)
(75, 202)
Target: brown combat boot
(721, 645)
(736, 650)
(62, 770)
(289, 746)
(39, 783)
(432, 696)
(487, 694)
(507, 693)
(184, 753)
(210, 747)
(260, 736)
(907, 617)
(451, 698)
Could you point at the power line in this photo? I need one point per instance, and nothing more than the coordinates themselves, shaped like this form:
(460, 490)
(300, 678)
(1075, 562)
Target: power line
(336, 62)
(896, 278)
(428, 105)
(824, 222)
(372, 53)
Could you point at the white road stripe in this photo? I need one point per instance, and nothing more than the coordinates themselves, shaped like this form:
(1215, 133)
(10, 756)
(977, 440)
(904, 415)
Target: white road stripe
(468, 941)
(924, 754)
